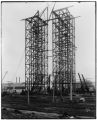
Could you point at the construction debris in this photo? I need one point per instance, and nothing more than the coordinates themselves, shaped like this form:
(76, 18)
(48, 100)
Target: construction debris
(82, 99)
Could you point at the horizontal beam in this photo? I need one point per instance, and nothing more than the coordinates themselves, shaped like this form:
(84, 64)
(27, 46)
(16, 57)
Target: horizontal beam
(63, 8)
(32, 17)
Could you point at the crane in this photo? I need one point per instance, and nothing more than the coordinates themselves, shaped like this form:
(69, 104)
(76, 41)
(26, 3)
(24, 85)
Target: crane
(82, 86)
(4, 75)
(3, 79)
(86, 87)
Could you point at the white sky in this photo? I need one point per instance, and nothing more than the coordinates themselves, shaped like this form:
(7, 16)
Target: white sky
(13, 36)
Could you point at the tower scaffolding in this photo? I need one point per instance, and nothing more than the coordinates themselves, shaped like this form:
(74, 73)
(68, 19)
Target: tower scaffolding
(36, 51)
(63, 49)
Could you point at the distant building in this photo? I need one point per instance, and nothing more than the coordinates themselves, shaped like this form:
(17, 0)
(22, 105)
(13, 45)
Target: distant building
(13, 87)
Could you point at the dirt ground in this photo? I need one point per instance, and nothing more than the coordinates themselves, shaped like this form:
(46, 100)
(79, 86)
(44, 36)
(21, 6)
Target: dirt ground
(42, 103)
(13, 115)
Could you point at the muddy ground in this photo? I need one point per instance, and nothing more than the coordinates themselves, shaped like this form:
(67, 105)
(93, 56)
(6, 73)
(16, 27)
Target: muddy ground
(43, 103)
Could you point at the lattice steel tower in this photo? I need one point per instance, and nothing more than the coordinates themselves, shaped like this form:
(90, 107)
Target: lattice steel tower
(36, 51)
(63, 41)
(63, 50)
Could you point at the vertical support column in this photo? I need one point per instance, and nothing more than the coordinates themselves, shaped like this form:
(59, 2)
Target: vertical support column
(53, 47)
(27, 52)
(74, 60)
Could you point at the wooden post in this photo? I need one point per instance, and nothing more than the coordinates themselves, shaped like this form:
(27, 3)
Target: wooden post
(28, 95)
(71, 87)
(53, 92)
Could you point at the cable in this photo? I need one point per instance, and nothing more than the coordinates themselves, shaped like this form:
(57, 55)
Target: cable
(19, 64)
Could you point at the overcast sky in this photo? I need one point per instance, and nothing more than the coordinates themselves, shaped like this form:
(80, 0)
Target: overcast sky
(13, 36)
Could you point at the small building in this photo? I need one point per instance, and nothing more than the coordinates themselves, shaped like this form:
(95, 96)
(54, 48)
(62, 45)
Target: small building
(18, 89)
(14, 87)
